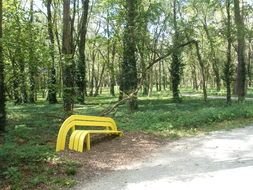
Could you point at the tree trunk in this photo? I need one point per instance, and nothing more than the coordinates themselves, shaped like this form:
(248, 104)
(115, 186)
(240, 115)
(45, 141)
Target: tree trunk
(164, 78)
(129, 69)
(99, 80)
(68, 63)
(32, 65)
(249, 68)
(110, 61)
(202, 69)
(2, 86)
(81, 67)
(150, 82)
(241, 68)
(159, 77)
(112, 71)
(214, 59)
(15, 81)
(92, 81)
(228, 66)
(156, 80)
(176, 65)
(52, 73)
(142, 40)
(23, 86)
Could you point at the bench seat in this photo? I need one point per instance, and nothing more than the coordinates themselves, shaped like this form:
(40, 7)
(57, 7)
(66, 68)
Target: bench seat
(79, 137)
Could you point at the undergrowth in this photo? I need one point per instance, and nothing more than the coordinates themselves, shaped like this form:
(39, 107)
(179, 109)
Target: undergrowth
(27, 151)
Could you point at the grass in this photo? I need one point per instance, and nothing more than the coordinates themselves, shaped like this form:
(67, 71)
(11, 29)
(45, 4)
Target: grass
(192, 116)
(28, 159)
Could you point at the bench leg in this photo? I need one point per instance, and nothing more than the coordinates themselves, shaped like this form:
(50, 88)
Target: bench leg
(88, 142)
(72, 139)
(77, 140)
(81, 141)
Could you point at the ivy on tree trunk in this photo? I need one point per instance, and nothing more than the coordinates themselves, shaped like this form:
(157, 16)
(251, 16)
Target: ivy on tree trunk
(68, 63)
(176, 68)
(52, 73)
(81, 67)
(129, 71)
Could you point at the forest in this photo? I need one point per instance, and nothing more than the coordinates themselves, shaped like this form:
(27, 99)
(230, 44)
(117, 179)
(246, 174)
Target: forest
(171, 68)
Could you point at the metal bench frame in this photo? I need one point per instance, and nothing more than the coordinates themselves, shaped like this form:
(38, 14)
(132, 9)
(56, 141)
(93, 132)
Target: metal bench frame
(78, 137)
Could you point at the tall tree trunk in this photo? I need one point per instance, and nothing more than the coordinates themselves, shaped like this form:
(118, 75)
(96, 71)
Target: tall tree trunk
(15, 81)
(176, 65)
(164, 78)
(249, 68)
(214, 59)
(142, 40)
(110, 62)
(99, 80)
(156, 79)
(52, 92)
(92, 79)
(129, 69)
(228, 66)
(160, 77)
(32, 65)
(150, 81)
(194, 77)
(23, 86)
(202, 69)
(112, 71)
(2, 86)
(60, 59)
(68, 63)
(241, 68)
(81, 67)
(21, 66)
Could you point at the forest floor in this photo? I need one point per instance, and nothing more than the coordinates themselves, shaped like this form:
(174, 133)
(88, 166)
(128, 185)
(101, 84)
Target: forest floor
(108, 153)
(27, 152)
(220, 160)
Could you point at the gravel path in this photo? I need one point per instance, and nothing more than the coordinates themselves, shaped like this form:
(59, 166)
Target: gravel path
(221, 160)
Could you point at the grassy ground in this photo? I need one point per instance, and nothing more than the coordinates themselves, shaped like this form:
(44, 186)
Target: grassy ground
(27, 157)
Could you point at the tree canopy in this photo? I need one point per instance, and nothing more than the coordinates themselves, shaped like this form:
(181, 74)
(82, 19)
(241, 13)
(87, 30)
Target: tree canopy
(73, 49)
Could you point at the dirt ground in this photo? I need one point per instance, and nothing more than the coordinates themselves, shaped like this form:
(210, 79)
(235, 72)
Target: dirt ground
(108, 153)
(220, 160)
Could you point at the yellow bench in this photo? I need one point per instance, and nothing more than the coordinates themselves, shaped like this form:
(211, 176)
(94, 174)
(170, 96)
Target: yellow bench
(107, 124)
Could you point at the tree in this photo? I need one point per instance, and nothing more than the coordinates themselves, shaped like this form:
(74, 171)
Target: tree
(68, 63)
(228, 70)
(2, 86)
(241, 67)
(32, 66)
(81, 70)
(176, 65)
(52, 76)
(129, 69)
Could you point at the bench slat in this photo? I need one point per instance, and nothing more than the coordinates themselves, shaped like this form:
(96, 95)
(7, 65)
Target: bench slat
(78, 137)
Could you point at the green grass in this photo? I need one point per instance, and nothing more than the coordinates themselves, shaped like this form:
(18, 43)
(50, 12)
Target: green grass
(28, 159)
(190, 117)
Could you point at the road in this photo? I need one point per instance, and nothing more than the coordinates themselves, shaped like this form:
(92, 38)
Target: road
(220, 160)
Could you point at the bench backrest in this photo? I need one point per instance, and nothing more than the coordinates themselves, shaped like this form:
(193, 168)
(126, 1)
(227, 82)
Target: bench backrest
(82, 121)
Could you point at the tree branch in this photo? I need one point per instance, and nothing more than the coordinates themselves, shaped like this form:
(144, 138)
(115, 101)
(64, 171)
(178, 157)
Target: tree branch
(169, 53)
(133, 94)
